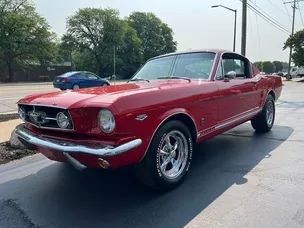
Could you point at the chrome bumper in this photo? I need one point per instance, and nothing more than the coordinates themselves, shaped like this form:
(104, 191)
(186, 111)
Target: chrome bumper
(69, 148)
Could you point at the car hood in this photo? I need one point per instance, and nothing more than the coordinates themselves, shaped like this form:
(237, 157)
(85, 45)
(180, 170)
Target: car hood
(105, 95)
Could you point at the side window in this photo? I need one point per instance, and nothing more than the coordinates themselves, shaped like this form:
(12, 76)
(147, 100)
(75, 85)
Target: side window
(194, 65)
(81, 75)
(237, 64)
(91, 76)
(219, 73)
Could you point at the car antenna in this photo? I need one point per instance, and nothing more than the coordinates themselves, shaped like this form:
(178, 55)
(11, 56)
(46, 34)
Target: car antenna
(114, 65)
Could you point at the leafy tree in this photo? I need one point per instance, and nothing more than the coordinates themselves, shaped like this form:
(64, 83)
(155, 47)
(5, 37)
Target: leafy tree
(278, 66)
(265, 66)
(96, 32)
(24, 35)
(129, 54)
(259, 65)
(297, 43)
(156, 36)
(268, 67)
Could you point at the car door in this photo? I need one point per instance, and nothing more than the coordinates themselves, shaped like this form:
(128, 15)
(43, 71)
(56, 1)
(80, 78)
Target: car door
(81, 80)
(92, 80)
(198, 66)
(238, 95)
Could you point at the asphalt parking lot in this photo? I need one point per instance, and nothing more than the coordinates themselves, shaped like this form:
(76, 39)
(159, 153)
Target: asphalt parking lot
(238, 179)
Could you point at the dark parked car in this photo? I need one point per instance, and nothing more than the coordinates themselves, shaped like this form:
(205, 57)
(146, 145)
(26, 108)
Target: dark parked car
(79, 79)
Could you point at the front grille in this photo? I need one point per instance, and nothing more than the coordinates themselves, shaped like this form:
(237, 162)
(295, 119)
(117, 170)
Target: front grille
(45, 116)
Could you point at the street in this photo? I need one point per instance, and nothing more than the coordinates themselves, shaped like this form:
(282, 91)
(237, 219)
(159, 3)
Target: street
(237, 179)
(10, 94)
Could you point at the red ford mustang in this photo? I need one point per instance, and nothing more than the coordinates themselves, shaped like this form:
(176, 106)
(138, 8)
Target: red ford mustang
(153, 121)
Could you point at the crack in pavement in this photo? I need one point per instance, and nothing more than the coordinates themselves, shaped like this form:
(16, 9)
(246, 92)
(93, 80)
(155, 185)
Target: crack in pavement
(13, 216)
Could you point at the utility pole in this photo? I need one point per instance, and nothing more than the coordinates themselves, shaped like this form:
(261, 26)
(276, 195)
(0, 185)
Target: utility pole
(288, 77)
(244, 27)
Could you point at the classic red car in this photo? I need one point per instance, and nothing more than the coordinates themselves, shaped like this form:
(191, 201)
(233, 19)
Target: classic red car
(154, 120)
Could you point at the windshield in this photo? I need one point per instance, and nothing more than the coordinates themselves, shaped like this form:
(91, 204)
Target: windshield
(190, 65)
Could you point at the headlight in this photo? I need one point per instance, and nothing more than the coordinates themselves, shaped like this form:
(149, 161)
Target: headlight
(106, 120)
(63, 120)
(22, 113)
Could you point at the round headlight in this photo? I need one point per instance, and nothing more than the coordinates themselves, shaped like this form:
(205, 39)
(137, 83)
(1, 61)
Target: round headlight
(106, 120)
(62, 120)
(22, 113)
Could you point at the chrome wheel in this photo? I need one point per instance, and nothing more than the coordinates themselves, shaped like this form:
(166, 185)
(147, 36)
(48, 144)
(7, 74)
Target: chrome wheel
(75, 87)
(269, 113)
(173, 154)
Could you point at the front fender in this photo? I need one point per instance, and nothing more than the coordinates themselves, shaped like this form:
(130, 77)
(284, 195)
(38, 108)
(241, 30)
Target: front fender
(146, 129)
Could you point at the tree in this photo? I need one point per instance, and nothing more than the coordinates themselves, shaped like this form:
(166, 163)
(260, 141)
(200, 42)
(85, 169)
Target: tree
(156, 36)
(96, 32)
(268, 67)
(265, 66)
(129, 54)
(278, 66)
(297, 43)
(24, 35)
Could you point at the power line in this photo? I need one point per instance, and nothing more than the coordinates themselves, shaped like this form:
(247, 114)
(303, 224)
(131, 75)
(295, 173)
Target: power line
(258, 31)
(287, 11)
(279, 9)
(301, 14)
(268, 16)
(267, 19)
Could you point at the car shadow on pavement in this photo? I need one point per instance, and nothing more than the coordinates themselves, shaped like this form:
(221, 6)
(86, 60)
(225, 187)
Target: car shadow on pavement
(58, 196)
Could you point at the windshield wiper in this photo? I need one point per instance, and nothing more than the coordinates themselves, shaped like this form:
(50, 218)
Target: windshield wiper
(138, 79)
(174, 77)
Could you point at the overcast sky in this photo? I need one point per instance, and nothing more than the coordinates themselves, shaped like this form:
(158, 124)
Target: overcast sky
(195, 23)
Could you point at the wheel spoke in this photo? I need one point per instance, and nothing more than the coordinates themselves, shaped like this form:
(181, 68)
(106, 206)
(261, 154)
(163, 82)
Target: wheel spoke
(175, 146)
(169, 143)
(165, 163)
(164, 152)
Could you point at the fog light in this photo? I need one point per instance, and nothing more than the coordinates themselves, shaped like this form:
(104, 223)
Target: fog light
(103, 163)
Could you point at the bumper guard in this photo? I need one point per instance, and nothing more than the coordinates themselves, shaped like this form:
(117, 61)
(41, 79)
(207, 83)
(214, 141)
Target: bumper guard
(68, 148)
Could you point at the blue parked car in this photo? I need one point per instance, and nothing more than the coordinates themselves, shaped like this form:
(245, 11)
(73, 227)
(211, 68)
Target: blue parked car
(79, 79)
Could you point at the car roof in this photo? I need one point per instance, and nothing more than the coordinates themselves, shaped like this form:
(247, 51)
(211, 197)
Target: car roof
(70, 73)
(212, 50)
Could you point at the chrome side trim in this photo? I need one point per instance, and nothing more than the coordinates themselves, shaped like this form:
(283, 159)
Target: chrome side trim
(162, 123)
(229, 122)
(59, 145)
(75, 163)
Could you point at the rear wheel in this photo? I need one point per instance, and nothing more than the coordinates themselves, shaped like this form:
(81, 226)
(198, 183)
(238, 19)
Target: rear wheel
(75, 87)
(264, 121)
(168, 158)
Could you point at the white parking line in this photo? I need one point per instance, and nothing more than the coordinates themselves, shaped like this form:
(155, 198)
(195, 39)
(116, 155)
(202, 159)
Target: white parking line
(10, 98)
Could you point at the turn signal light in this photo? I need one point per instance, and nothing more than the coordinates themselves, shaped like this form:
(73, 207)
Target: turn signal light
(103, 163)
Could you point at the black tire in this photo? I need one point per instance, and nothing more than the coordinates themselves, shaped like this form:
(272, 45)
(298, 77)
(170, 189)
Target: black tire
(149, 170)
(263, 122)
(288, 77)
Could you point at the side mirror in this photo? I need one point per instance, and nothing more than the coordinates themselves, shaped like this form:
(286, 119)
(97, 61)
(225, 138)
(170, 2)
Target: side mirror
(230, 75)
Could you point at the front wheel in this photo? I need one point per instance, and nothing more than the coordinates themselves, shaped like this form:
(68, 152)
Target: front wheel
(168, 159)
(264, 121)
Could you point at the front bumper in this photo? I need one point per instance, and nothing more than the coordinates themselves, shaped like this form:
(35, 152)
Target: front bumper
(68, 148)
